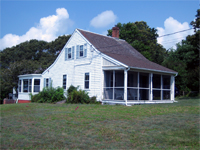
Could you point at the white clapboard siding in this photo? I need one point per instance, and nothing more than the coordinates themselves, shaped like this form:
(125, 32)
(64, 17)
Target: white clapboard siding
(75, 69)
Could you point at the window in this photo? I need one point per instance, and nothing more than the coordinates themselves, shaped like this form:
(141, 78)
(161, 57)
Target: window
(36, 85)
(69, 53)
(64, 81)
(47, 82)
(81, 51)
(87, 79)
(25, 85)
(20, 85)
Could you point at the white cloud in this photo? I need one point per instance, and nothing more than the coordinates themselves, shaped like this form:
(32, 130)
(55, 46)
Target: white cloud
(171, 25)
(48, 29)
(104, 19)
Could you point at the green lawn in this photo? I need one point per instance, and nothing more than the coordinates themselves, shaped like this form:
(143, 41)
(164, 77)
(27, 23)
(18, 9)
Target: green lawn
(155, 126)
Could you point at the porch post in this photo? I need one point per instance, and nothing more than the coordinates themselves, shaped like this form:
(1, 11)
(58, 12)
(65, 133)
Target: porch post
(32, 85)
(125, 85)
(151, 86)
(172, 87)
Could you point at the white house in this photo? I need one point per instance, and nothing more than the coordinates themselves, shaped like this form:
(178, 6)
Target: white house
(106, 67)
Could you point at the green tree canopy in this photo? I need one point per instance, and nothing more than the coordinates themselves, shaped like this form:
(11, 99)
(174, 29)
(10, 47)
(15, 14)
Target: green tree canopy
(185, 59)
(25, 58)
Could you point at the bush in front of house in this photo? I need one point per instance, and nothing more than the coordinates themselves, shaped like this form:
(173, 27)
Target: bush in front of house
(49, 95)
(75, 96)
(78, 96)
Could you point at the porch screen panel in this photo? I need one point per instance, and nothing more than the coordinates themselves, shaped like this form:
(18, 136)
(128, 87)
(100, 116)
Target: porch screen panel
(166, 82)
(108, 85)
(166, 87)
(119, 93)
(156, 81)
(108, 78)
(119, 78)
(36, 85)
(132, 94)
(132, 79)
(156, 94)
(119, 85)
(108, 93)
(166, 95)
(144, 80)
(144, 94)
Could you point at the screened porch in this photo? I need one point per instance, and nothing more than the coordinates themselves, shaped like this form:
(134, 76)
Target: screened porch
(137, 86)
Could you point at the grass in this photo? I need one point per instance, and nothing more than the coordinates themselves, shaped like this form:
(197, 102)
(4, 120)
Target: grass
(55, 126)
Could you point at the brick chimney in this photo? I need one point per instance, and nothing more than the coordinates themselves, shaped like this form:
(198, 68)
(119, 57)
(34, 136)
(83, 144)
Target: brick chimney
(115, 32)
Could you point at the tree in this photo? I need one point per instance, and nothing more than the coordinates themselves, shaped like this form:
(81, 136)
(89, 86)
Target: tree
(143, 38)
(178, 60)
(25, 58)
(185, 60)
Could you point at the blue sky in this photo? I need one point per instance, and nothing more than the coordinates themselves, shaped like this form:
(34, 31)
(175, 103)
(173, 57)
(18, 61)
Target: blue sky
(47, 19)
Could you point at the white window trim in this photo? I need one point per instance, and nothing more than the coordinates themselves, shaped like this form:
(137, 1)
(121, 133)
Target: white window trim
(66, 81)
(87, 80)
(78, 52)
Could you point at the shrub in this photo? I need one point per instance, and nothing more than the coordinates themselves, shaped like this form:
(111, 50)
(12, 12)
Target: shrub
(49, 95)
(71, 89)
(79, 96)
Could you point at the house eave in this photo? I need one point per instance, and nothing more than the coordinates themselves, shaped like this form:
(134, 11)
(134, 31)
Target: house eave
(153, 70)
(30, 75)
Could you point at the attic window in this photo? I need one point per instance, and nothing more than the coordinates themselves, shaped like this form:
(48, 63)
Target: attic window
(69, 53)
(81, 51)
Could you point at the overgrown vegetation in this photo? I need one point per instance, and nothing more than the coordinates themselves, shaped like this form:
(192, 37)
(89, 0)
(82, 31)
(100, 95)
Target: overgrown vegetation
(25, 58)
(49, 95)
(75, 96)
(157, 126)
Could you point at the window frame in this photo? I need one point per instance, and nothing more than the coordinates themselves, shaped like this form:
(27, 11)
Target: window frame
(65, 81)
(34, 88)
(87, 81)
(81, 51)
(69, 53)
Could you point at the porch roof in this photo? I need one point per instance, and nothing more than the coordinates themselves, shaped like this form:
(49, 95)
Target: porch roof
(122, 52)
(30, 75)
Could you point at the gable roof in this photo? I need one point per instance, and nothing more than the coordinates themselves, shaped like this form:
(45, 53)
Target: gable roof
(122, 51)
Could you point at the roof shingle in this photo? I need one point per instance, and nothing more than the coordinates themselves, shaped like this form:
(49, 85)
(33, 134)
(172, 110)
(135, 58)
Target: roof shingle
(121, 51)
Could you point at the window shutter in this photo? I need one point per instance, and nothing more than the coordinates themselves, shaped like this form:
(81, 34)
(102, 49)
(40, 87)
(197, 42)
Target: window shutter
(66, 53)
(44, 82)
(50, 84)
(85, 50)
(72, 52)
(77, 51)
